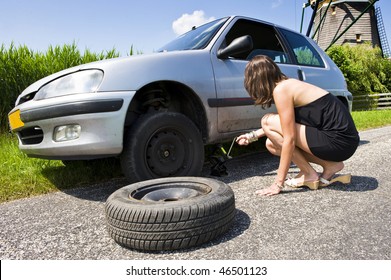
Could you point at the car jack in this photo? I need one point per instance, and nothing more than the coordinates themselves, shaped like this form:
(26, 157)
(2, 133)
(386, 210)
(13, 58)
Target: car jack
(218, 159)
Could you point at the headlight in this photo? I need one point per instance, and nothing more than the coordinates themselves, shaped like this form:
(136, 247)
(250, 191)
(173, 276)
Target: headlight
(78, 82)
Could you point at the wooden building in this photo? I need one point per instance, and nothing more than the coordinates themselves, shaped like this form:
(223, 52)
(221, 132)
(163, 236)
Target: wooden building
(358, 19)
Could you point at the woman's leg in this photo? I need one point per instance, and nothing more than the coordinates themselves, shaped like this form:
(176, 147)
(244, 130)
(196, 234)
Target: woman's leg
(329, 167)
(272, 128)
(302, 155)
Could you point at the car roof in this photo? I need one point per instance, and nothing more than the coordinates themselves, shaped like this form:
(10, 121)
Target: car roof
(232, 17)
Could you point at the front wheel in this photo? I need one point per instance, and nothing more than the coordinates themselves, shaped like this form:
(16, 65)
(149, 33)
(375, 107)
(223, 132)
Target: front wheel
(164, 144)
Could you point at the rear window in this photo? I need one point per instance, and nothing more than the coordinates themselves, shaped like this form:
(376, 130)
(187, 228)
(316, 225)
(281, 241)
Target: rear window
(304, 52)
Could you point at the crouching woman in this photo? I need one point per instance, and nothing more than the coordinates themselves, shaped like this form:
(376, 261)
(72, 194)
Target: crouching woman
(311, 126)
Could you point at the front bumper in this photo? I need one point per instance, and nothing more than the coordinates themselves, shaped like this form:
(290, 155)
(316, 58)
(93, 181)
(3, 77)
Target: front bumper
(101, 117)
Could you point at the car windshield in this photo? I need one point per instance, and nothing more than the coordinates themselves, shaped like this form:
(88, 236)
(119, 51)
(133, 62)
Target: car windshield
(196, 39)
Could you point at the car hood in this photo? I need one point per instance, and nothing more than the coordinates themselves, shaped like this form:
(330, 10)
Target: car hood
(133, 72)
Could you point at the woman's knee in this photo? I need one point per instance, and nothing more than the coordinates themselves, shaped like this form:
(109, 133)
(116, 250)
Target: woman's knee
(272, 148)
(269, 121)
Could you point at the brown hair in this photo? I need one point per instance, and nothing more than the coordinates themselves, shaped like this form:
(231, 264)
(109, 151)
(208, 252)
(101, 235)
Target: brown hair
(260, 78)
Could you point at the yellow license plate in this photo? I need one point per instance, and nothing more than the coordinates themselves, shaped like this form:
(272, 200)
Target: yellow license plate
(15, 121)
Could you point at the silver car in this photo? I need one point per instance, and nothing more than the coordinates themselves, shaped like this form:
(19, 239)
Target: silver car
(157, 111)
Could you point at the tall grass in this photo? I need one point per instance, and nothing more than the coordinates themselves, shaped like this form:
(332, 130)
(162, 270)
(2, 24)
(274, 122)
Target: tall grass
(21, 66)
(21, 176)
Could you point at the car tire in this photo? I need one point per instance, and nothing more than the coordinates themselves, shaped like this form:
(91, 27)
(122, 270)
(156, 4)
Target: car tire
(170, 213)
(165, 144)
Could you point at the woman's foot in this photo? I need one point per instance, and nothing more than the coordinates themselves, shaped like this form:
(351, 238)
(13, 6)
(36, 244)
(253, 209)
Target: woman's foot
(331, 169)
(330, 176)
(300, 180)
(293, 183)
(343, 178)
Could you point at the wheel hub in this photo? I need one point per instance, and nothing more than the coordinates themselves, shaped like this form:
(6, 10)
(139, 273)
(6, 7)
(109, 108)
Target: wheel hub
(171, 192)
(167, 154)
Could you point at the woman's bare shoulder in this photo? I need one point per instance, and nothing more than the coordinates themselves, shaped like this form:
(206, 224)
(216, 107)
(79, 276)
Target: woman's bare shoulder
(301, 92)
(287, 86)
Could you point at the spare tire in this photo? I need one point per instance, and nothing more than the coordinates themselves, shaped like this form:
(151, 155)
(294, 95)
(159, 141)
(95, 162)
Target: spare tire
(170, 213)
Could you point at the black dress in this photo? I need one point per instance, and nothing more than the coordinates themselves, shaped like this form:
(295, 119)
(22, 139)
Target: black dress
(330, 130)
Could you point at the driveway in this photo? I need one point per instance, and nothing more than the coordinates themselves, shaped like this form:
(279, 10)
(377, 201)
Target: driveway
(338, 222)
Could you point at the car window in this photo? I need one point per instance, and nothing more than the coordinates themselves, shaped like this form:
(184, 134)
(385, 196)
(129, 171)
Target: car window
(304, 52)
(265, 40)
(196, 39)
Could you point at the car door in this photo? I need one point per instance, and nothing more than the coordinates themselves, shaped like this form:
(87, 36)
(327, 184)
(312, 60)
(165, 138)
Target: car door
(236, 110)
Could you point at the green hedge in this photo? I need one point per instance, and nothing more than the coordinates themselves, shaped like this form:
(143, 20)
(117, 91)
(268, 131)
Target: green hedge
(21, 66)
(365, 70)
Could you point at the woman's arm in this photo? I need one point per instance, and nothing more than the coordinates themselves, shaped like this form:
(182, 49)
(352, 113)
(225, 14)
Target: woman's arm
(285, 108)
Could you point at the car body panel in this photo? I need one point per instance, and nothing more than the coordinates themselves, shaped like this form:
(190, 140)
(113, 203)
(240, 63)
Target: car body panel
(102, 130)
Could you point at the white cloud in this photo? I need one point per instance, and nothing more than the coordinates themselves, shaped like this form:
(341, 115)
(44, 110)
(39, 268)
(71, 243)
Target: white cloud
(186, 21)
(276, 4)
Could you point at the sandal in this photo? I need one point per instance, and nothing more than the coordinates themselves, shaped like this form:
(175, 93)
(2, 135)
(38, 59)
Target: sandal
(344, 179)
(292, 182)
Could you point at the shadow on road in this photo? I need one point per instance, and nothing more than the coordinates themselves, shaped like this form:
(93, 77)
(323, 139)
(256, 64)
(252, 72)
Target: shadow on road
(358, 184)
(247, 166)
(98, 192)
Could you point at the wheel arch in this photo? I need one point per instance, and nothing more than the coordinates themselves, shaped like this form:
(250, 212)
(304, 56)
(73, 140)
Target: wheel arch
(168, 96)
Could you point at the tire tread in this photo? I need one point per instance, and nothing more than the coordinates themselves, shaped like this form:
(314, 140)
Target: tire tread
(170, 225)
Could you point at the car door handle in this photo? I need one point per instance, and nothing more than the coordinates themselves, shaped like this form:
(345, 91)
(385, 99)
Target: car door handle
(300, 75)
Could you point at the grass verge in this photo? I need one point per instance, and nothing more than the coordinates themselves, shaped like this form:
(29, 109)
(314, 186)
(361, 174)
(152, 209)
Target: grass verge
(371, 119)
(21, 176)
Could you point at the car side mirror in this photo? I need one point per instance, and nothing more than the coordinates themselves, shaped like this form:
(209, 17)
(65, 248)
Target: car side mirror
(237, 46)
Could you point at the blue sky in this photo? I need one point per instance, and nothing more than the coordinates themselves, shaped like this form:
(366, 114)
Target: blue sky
(100, 25)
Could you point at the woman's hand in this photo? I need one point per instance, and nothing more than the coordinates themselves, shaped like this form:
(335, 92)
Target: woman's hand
(243, 139)
(250, 137)
(272, 190)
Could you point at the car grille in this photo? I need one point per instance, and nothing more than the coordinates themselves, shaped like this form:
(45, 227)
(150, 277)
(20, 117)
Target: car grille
(31, 135)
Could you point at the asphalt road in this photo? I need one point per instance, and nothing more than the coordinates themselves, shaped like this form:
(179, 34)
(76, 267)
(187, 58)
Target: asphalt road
(349, 222)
